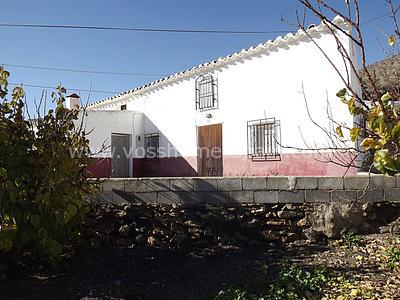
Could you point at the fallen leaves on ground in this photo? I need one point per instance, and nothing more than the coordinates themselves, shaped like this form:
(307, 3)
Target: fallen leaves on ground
(363, 271)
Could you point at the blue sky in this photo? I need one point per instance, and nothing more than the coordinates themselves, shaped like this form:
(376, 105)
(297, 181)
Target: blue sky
(136, 52)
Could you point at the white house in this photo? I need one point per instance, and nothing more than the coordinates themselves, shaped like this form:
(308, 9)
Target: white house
(243, 114)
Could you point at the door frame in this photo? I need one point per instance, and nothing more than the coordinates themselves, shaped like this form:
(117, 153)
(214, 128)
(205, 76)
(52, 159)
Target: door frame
(130, 158)
(199, 171)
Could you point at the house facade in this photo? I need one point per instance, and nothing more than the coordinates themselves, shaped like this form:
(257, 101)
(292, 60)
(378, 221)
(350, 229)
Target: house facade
(248, 114)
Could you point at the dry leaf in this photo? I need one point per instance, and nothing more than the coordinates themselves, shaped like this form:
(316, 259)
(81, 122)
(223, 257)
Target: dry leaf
(392, 40)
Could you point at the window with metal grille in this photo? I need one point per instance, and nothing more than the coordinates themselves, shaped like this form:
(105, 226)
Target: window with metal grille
(263, 139)
(206, 93)
(152, 143)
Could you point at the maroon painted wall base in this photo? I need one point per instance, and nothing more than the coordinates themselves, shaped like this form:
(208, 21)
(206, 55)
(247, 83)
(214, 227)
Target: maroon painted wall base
(302, 164)
(165, 167)
(101, 168)
(299, 164)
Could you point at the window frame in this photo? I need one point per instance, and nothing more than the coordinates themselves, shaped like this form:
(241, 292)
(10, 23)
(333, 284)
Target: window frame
(146, 146)
(206, 92)
(264, 135)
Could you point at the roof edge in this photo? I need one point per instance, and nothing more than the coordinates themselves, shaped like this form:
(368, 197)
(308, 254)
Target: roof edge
(244, 53)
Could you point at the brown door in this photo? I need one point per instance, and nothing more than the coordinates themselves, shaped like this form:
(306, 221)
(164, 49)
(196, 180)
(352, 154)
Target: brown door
(210, 150)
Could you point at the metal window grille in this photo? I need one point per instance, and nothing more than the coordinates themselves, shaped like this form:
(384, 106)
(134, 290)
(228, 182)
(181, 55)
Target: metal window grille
(206, 93)
(152, 143)
(264, 139)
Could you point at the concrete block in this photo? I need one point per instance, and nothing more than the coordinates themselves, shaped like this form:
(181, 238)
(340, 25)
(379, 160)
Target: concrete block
(330, 183)
(192, 198)
(280, 183)
(392, 195)
(216, 198)
(157, 184)
(291, 197)
(136, 185)
(317, 196)
(262, 197)
(254, 183)
(241, 197)
(150, 198)
(120, 197)
(104, 197)
(344, 196)
(183, 184)
(111, 184)
(370, 195)
(205, 184)
(168, 198)
(356, 182)
(307, 183)
(379, 182)
(229, 184)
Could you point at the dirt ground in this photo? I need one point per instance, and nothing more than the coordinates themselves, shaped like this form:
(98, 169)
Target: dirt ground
(151, 273)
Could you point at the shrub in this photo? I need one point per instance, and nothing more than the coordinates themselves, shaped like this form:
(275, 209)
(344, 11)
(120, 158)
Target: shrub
(295, 283)
(393, 257)
(236, 294)
(349, 239)
(292, 282)
(42, 179)
(381, 133)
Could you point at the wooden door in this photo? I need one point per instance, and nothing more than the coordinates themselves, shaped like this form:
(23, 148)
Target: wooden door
(120, 151)
(209, 161)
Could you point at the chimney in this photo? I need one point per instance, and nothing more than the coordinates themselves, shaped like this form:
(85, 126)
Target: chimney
(73, 101)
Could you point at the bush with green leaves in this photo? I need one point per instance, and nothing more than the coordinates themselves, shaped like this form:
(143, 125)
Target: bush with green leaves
(236, 293)
(371, 93)
(291, 283)
(349, 239)
(294, 282)
(393, 257)
(43, 181)
(381, 133)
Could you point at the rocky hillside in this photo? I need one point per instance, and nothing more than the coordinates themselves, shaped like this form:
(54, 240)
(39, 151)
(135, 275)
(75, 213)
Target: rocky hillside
(386, 74)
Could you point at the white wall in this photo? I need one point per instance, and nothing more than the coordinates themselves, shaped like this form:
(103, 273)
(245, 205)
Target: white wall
(269, 85)
(102, 124)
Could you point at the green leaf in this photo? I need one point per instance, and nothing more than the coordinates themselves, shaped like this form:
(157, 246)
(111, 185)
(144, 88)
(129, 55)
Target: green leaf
(370, 143)
(354, 132)
(3, 173)
(70, 212)
(339, 131)
(35, 221)
(61, 89)
(5, 74)
(55, 248)
(386, 98)
(382, 125)
(59, 105)
(6, 243)
(18, 93)
(390, 166)
(341, 93)
(396, 132)
(384, 162)
(351, 105)
(7, 107)
(379, 160)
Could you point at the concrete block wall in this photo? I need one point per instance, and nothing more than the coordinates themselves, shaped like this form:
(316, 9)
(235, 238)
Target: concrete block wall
(230, 191)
